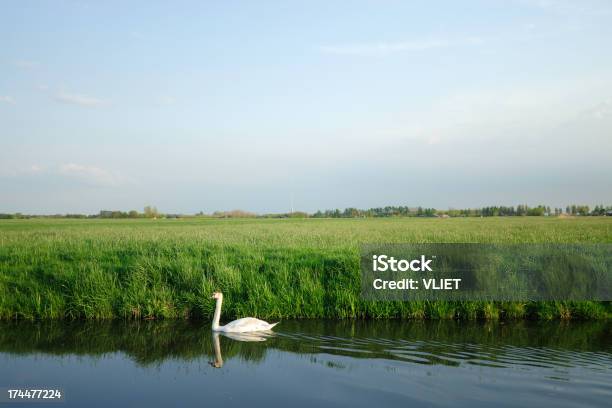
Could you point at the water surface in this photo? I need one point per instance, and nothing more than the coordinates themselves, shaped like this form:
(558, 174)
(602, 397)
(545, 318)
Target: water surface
(327, 363)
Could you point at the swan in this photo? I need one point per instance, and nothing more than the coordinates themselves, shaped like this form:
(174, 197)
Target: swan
(218, 361)
(241, 337)
(246, 324)
(247, 337)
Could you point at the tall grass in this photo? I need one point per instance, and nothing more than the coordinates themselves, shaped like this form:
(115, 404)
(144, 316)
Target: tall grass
(276, 269)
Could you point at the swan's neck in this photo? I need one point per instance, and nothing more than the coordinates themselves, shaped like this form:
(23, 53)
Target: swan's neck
(217, 347)
(217, 315)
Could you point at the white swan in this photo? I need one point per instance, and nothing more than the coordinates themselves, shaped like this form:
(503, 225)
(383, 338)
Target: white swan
(246, 324)
(241, 337)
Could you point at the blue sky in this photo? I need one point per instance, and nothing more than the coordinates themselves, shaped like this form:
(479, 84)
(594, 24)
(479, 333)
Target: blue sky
(209, 106)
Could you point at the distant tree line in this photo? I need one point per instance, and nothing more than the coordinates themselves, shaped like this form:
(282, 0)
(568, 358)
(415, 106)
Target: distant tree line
(232, 214)
(493, 211)
(351, 212)
(19, 216)
(149, 212)
(389, 211)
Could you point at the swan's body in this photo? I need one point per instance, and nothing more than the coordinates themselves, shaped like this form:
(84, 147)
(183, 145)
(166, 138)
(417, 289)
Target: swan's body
(247, 337)
(246, 324)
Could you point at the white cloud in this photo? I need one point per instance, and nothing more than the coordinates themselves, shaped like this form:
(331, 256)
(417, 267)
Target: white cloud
(137, 35)
(542, 111)
(570, 7)
(165, 100)
(91, 174)
(433, 140)
(78, 99)
(386, 48)
(601, 110)
(9, 170)
(6, 99)
(72, 173)
(25, 64)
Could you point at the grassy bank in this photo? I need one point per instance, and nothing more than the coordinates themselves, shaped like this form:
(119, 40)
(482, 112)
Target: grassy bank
(98, 269)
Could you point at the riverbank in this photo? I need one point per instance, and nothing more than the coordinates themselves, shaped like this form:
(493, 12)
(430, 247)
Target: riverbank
(274, 269)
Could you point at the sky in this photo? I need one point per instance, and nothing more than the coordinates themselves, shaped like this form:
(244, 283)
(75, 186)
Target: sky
(271, 105)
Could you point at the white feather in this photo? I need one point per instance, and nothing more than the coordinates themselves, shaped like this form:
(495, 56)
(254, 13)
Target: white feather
(246, 324)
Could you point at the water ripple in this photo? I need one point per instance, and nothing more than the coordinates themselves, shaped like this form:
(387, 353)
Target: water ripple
(453, 354)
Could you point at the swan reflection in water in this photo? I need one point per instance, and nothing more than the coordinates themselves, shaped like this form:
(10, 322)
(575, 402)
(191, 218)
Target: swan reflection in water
(245, 337)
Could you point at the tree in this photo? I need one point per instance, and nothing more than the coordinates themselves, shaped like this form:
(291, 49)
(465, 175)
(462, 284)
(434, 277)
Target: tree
(150, 212)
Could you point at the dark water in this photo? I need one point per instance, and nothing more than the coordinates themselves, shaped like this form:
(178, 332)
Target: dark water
(313, 363)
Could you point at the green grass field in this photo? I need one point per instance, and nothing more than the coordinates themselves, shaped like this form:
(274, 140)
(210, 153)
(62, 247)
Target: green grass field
(269, 268)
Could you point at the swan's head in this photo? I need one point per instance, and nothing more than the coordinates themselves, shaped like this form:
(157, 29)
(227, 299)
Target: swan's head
(216, 363)
(217, 295)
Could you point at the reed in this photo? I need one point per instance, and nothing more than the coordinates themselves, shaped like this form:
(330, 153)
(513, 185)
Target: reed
(273, 269)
